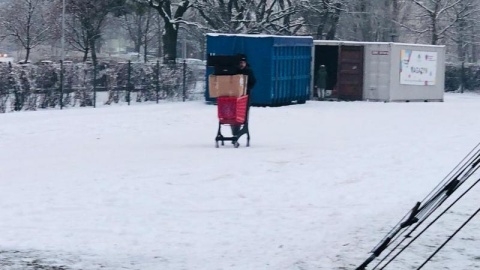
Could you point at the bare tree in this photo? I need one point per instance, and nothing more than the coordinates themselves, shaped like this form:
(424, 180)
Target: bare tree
(250, 16)
(465, 15)
(433, 19)
(159, 30)
(398, 11)
(139, 22)
(172, 13)
(27, 22)
(321, 17)
(87, 19)
(389, 14)
(192, 35)
(77, 36)
(463, 33)
(371, 20)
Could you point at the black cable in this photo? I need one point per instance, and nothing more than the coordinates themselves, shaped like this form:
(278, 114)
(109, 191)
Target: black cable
(388, 254)
(469, 160)
(466, 160)
(405, 237)
(429, 209)
(427, 227)
(448, 190)
(460, 174)
(449, 238)
(463, 175)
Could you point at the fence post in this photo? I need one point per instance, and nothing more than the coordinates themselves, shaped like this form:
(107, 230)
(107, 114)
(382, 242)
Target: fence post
(157, 81)
(13, 88)
(462, 78)
(184, 80)
(61, 84)
(95, 85)
(129, 81)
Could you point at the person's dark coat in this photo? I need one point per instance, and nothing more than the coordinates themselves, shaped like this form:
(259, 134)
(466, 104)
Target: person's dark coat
(251, 77)
(321, 82)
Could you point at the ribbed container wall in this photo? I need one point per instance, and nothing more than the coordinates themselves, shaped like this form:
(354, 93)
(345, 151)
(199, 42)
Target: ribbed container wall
(281, 64)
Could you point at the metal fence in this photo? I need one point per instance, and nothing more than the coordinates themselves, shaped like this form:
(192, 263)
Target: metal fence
(32, 87)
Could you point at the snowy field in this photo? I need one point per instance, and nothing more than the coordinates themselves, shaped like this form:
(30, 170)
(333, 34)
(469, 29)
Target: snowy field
(143, 187)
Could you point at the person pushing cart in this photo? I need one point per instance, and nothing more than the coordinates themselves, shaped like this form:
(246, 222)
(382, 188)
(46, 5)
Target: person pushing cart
(233, 109)
(245, 69)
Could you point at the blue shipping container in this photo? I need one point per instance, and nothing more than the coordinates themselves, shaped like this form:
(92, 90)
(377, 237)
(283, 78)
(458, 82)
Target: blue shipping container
(281, 64)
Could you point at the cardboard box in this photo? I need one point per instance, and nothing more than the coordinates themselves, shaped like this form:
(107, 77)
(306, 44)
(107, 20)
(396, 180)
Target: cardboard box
(227, 85)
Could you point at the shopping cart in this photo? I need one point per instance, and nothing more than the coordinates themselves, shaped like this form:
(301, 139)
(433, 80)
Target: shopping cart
(233, 111)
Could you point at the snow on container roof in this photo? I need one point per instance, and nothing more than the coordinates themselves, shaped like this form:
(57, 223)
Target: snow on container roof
(359, 43)
(216, 40)
(256, 35)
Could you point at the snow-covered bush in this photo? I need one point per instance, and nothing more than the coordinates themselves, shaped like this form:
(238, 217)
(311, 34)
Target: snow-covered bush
(46, 81)
(29, 87)
(28, 99)
(5, 86)
(455, 74)
(148, 81)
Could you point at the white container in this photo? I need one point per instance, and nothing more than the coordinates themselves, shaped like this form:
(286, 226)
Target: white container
(391, 71)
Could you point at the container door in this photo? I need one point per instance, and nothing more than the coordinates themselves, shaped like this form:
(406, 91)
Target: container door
(350, 73)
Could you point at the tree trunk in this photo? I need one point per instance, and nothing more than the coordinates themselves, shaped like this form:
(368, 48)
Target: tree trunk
(335, 19)
(85, 54)
(170, 42)
(434, 31)
(159, 30)
(145, 49)
(93, 51)
(434, 20)
(366, 29)
(332, 32)
(473, 46)
(474, 53)
(321, 26)
(145, 37)
(319, 34)
(139, 35)
(171, 28)
(160, 46)
(27, 55)
(462, 77)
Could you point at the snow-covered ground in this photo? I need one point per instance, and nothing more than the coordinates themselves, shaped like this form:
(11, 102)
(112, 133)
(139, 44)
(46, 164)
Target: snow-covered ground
(143, 187)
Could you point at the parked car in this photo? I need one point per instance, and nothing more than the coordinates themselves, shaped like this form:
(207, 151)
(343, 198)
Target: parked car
(194, 63)
(23, 62)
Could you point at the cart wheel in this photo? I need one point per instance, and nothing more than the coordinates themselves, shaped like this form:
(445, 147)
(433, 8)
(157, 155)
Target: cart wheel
(248, 143)
(223, 143)
(216, 144)
(236, 144)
